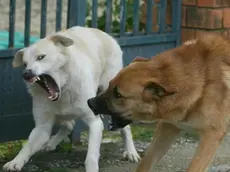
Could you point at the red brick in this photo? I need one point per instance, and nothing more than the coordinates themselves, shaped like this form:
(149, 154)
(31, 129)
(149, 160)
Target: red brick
(219, 31)
(183, 23)
(213, 3)
(227, 32)
(210, 3)
(187, 34)
(226, 17)
(189, 2)
(200, 32)
(204, 18)
(226, 3)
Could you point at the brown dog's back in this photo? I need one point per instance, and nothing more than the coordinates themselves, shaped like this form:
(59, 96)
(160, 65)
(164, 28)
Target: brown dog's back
(200, 73)
(187, 87)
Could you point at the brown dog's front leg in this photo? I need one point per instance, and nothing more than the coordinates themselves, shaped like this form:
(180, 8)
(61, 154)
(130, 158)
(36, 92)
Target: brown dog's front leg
(210, 141)
(163, 138)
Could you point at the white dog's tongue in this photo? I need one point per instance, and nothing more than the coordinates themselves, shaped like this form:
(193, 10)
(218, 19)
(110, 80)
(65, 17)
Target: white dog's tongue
(53, 94)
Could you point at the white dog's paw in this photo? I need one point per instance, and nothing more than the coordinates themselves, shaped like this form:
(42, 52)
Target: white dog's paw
(49, 147)
(91, 164)
(132, 156)
(14, 165)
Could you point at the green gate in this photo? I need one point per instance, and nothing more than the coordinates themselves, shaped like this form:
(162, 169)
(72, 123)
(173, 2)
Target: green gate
(121, 18)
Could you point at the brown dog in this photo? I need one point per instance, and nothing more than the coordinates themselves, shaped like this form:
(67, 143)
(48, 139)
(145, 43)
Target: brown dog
(184, 88)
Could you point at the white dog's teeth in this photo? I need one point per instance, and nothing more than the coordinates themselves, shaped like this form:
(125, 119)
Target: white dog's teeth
(55, 96)
(33, 80)
(37, 78)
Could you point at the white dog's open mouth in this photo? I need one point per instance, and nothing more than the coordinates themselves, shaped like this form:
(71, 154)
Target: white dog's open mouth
(48, 84)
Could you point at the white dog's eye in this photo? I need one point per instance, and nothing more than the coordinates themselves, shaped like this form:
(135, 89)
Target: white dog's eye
(40, 57)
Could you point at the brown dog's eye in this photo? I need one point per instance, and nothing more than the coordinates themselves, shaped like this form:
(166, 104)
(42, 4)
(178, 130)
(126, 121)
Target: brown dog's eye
(116, 93)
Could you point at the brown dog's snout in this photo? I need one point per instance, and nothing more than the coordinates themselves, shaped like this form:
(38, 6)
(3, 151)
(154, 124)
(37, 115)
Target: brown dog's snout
(118, 123)
(97, 105)
(92, 105)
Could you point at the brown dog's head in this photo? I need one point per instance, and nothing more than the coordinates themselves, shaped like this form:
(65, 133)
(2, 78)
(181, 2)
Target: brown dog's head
(131, 95)
(166, 87)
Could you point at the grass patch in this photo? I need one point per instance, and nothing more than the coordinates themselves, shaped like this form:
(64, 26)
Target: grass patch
(141, 132)
(9, 149)
(60, 170)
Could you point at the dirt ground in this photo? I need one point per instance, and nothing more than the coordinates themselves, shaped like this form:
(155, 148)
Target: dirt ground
(176, 160)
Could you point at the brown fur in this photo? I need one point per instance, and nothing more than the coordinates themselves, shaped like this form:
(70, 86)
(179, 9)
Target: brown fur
(186, 87)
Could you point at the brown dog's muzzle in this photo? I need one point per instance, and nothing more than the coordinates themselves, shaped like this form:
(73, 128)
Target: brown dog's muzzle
(99, 106)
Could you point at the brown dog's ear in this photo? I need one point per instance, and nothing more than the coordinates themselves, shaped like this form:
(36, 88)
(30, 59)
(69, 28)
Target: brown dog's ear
(153, 90)
(140, 59)
(18, 58)
(64, 41)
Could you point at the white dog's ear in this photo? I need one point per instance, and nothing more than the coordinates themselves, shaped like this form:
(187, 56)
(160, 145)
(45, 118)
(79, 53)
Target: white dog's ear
(64, 41)
(18, 58)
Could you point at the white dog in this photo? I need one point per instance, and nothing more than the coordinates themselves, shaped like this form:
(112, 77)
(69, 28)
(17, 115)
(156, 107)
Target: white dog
(62, 72)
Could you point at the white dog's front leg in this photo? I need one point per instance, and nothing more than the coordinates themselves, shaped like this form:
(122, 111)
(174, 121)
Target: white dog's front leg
(38, 137)
(95, 136)
(63, 132)
(130, 150)
(56, 139)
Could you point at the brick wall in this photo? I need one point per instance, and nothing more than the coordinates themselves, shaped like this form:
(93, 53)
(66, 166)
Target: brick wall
(199, 16)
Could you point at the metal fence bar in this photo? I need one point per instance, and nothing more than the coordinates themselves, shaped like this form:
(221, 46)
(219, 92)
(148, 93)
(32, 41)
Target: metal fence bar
(76, 13)
(123, 11)
(12, 23)
(6, 53)
(176, 19)
(136, 10)
(147, 39)
(142, 43)
(72, 14)
(163, 8)
(43, 18)
(94, 14)
(108, 23)
(27, 22)
(58, 15)
(149, 22)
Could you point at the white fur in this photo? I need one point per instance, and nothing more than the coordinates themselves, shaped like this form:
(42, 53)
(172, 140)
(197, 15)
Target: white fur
(79, 70)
